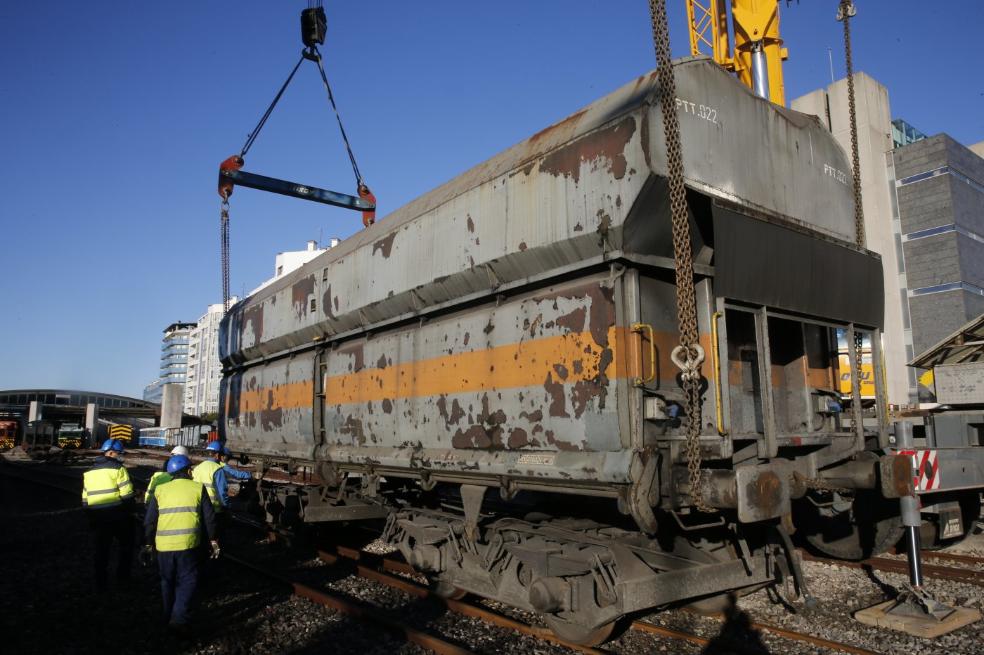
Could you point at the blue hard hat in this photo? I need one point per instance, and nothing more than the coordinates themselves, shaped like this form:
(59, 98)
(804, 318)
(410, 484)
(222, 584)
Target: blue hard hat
(112, 444)
(217, 447)
(177, 463)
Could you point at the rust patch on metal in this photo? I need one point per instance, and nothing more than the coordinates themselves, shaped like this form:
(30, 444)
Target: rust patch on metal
(586, 390)
(253, 317)
(555, 393)
(765, 492)
(573, 321)
(561, 371)
(569, 122)
(902, 474)
(326, 303)
(357, 352)
(384, 245)
(470, 223)
(607, 143)
(602, 314)
(382, 362)
(518, 438)
(353, 428)
(578, 227)
(452, 417)
(488, 327)
(522, 246)
(533, 417)
(604, 224)
(387, 405)
(271, 418)
(465, 340)
(299, 293)
(558, 443)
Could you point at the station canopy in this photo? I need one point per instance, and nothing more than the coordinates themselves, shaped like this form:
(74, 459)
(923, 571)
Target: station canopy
(963, 346)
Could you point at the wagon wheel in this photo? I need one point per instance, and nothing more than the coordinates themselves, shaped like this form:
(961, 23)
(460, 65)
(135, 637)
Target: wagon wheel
(447, 590)
(869, 526)
(970, 511)
(578, 634)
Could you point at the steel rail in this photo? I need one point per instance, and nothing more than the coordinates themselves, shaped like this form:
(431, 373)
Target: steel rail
(459, 607)
(953, 557)
(954, 574)
(383, 564)
(357, 610)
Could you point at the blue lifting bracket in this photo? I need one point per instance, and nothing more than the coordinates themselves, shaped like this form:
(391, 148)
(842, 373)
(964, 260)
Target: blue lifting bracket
(295, 190)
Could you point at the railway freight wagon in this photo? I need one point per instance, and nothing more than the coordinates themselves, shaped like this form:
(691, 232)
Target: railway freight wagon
(489, 366)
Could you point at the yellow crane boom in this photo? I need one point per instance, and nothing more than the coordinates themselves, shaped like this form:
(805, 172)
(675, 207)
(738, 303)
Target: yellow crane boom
(757, 53)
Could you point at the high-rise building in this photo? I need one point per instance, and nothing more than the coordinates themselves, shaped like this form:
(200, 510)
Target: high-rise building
(174, 360)
(903, 134)
(201, 392)
(940, 189)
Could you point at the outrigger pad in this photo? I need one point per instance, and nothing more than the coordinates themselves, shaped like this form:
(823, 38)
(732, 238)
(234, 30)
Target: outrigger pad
(918, 624)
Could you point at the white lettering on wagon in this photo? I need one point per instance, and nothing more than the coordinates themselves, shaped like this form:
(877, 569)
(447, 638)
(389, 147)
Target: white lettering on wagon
(709, 114)
(835, 173)
(536, 459)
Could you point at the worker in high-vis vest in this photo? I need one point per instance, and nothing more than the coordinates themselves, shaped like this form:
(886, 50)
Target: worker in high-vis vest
(176, 515)
(162, 476)
(214, 473)
(107, 495)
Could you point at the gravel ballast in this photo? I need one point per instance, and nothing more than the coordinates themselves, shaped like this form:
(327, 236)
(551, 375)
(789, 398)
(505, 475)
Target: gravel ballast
(47, 604)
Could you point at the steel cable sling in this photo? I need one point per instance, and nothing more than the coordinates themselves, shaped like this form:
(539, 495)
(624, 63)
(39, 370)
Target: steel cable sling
(689, 354)
(313, 27)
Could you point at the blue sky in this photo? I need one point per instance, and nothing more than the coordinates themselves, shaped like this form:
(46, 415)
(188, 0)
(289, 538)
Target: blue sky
(115, 116)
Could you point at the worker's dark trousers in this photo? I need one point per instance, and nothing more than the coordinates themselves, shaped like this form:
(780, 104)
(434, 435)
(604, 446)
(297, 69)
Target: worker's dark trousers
(179, 578)
(113, 525)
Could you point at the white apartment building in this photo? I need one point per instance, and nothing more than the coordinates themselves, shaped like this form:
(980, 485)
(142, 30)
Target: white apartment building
(292, 260)
(201, 392)
(204, 372)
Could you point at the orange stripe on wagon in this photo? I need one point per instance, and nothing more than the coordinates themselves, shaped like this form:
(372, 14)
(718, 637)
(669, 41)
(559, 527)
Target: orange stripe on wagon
(567, 359)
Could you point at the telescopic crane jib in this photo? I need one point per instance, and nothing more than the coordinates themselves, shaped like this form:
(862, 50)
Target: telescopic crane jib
(758, 50)
(314, 25)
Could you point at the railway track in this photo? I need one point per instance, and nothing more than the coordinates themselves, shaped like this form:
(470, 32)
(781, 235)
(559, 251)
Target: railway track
(953, 573)
(357, 610)
(382, 570)
(396, 574)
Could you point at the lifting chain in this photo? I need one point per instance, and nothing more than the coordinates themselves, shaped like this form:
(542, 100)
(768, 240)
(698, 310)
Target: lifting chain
(845, 11)
(688, 355)
(224, 239)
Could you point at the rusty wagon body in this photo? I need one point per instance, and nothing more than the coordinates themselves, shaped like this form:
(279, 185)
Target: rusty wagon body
(511, 331)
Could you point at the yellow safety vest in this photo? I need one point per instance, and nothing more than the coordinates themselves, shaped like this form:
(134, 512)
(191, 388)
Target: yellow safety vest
(156, 479)
(106, 487)
(177, 515)
(205, 473)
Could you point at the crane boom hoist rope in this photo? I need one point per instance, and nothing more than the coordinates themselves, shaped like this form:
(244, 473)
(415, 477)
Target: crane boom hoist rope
(313, 28)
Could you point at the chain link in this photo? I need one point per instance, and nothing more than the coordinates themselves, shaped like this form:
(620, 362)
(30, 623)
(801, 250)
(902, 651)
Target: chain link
(845, 11)
(844, 14)
(224, 239)
(683, 257)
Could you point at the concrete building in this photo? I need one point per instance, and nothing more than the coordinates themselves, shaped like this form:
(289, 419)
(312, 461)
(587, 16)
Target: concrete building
(201, 389)
(924, 214)
(285, 262)
(881, 224)
(940, 191)
(174, 360)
